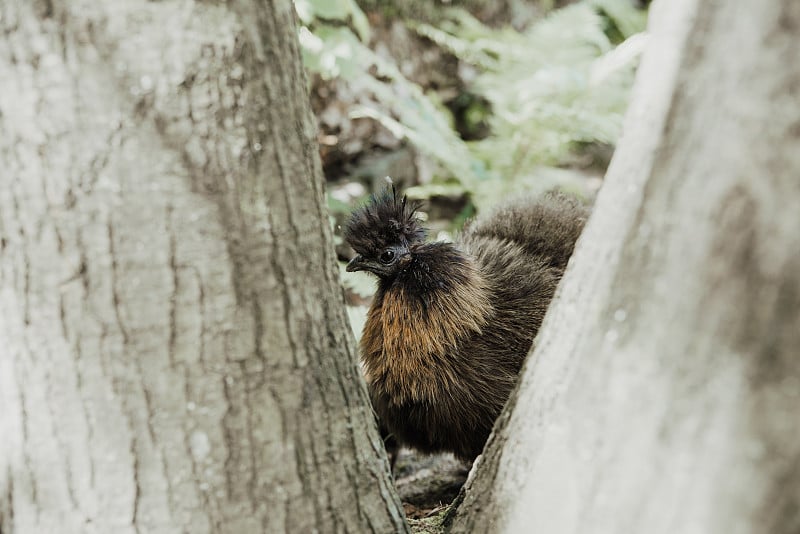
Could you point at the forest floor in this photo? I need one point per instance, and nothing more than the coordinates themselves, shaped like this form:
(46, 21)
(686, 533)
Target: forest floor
(427, 484)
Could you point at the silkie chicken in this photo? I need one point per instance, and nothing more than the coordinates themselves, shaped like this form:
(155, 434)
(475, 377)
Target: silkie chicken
(451, 323)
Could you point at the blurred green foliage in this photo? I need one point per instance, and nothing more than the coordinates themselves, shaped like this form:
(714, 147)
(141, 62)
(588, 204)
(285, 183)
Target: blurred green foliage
(336, 52)
(552, 89)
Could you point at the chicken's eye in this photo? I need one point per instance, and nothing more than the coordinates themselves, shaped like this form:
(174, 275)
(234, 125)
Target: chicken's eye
(387, 256)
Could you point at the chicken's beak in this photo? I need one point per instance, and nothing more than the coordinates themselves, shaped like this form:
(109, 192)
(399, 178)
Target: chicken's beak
(356, 264)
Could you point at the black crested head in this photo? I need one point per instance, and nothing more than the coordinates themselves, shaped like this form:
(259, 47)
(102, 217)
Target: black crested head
(387, 220)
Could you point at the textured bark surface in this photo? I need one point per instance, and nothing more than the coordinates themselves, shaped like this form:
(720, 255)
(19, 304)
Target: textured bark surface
(174, 351)
(662, 396)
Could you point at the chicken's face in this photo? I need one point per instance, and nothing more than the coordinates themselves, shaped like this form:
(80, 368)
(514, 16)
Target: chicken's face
(386, 263)
(383, 233)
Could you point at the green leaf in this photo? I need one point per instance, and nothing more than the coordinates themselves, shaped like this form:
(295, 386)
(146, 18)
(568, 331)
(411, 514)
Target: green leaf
(625, 18)
(334, 10)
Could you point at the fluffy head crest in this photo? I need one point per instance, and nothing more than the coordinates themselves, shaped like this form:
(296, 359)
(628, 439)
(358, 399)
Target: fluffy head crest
(386, 220)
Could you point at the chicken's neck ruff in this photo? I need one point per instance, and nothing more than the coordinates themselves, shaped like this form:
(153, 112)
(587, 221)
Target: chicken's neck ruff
(421, 315)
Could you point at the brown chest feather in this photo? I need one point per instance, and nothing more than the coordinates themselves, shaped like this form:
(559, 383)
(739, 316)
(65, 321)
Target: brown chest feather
(410, 349)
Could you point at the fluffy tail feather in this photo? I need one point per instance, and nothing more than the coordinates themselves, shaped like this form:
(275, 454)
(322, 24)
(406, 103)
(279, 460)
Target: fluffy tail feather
(546, 227)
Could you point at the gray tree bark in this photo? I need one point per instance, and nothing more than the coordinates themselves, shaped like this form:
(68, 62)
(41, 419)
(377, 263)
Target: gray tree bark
(174, 351)
(662, 396)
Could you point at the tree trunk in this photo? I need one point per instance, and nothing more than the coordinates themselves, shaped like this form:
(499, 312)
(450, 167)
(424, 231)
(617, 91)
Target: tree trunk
(174, 351)
(662, 396)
